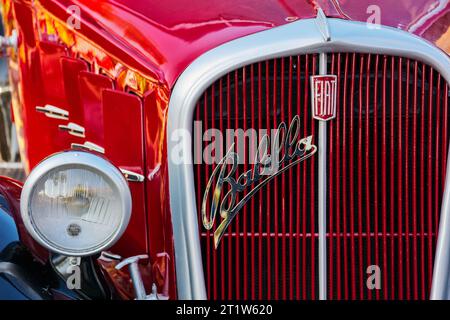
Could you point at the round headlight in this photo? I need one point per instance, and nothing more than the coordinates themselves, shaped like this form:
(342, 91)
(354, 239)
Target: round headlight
(76, 203)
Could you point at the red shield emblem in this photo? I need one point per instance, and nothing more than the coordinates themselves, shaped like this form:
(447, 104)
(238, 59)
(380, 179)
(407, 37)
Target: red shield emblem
(323, 90)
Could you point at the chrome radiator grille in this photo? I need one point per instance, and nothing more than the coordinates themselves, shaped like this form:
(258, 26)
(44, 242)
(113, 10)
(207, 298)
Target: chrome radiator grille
(387, 152)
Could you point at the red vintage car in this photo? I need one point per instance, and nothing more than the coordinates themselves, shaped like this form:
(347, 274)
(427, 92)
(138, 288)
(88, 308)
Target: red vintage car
(221, 150)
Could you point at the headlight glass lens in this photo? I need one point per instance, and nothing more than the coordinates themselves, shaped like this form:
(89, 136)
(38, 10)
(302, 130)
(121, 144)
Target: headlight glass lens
(76, 203)
(75, 208)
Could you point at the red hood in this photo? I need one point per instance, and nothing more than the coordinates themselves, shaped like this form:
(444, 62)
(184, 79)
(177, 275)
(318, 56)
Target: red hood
(164, 37)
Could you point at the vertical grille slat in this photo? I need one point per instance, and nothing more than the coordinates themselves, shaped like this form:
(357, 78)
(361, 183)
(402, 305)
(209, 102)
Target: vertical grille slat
(330, 199)
(407, 165)
(237, 225)
(337, 187)
(359, 174)
(367, 141)
(422, 189)
(222, 104)
(244, 126)
(375, 167)
(314, 176)
(214, 125)
(275, 213)
(414, 183)
(352, 179)
(391, 168)
(430, 182)
(284, 195)
(268, 216)
(344, 172)
(260, 217)
(252, 204)
(399, 159)
(387, 154)
(230, 252)
(291, 204)
(206, 122)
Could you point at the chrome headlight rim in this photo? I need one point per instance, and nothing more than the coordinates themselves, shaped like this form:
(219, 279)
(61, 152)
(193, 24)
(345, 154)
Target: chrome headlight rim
(76, 159)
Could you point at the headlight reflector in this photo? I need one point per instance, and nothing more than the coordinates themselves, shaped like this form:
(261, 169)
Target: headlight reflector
(76, 203)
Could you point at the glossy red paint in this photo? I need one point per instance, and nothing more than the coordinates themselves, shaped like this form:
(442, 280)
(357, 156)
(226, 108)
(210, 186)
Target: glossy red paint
(142, 47)
(152, 33)
(49, 57)
(124, 147)
(91, 90)
(158, 208)
(71, 68)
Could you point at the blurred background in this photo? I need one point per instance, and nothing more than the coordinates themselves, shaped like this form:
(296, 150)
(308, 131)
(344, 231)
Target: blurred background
(10, 164)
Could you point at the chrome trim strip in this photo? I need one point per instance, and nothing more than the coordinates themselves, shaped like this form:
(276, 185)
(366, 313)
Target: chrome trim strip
(132, 176)
(53, 112)
(88, 146)
(73, 129)
(299, 37)
(322, 190)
